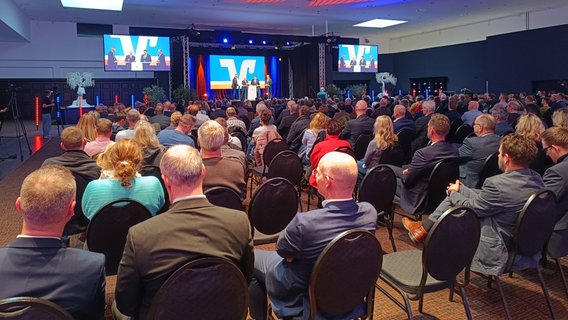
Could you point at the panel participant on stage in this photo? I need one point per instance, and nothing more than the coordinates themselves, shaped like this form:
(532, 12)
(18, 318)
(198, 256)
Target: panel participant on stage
(129, 59)
(268, 86)
(256, 83)
(244, 87)
(235, 86)
(112, 62)
(161, 65)
(146, 59)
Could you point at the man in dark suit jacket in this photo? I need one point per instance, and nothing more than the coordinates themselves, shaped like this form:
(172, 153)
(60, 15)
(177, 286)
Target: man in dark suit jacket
(36, 264)
(475, 150)
(111, 59)
(413, 178)
(362, 124)
(192, 228)
(421, 139)
(286, 121)
(294, 137)
(235, 86)
(497, 205)
(284, 274)
(161, 65)
(555, 142)
(400, 122)
(146, 59)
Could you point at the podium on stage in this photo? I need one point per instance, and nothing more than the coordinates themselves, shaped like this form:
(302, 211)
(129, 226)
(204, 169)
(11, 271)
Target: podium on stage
(251, 92)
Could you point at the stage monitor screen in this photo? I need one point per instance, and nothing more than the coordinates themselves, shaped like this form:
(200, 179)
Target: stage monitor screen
(222, 70)
(357, 58)
(136, 53)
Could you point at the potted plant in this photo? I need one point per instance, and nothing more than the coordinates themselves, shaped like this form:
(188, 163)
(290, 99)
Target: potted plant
(155, 93)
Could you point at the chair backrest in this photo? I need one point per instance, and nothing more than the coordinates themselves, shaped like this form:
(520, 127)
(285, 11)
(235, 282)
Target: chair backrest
(225, 197)
(321, 136)
(444, 172)
(32, 308)
(109, 226)
(206, 288)
(242, 138)
(453, 128)
(273, 147)
(78, 223)
(534, 225)
(361, 145)
(286, 164)
(405, 138)
(462, 132)
(489, 169)
(378, 187)
(394, 155)
(273, 205)
(451, 244)
(345, 273)
(346, 149)
(155, 171)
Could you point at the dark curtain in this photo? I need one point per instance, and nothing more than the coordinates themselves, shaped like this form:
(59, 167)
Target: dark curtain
(305, 68)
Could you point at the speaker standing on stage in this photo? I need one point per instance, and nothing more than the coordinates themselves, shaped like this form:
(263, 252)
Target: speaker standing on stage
(47, 104)
(235, 85)
(269, 86)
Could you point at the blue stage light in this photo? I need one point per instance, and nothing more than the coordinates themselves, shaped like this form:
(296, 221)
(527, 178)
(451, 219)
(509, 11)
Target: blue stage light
(225, 40)
(250, 41)
(287, 43)
(263, 41)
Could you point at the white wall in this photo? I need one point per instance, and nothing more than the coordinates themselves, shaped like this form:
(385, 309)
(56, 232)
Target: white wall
(473, 32)
(55, 50)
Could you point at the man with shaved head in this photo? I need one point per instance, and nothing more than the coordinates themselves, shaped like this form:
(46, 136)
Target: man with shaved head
(362, 124)
(400, 121)
(284, 275)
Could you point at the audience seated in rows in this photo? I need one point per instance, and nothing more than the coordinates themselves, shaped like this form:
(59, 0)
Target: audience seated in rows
(329, 144)
(180, 135)
(476, 149)
(132, 117)
(421, 139)
(287, 120)
(103, 132)
(497, 204)
(284, 274)
(37, 264)
(531, 126)
(400, 121)
(192, 228)
(412, 179)
(294, 138)
(219, 171)
(120, 179)
(384, 139)
(233, 121)
(87, 124)
(74, 158)
(318, 123)
(362, 124)
(159, 117)
(152, 150)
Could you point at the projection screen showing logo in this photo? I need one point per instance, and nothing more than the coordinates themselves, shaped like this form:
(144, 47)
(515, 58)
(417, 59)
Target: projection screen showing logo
(223, 69)
(357, 58)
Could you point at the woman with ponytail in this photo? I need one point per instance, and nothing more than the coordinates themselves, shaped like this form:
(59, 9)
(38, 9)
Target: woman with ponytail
(120, 179)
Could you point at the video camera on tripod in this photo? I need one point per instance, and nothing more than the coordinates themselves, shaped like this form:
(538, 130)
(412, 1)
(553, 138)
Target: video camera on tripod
(12, 88)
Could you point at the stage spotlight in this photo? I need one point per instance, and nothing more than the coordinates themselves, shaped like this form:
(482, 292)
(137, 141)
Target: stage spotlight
(225, 40)
(250, 41)
(263, 41)
(287, 43)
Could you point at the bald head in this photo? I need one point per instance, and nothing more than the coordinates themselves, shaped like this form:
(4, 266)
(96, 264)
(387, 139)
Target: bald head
(337, 175)
(361, 107)
(399, 111)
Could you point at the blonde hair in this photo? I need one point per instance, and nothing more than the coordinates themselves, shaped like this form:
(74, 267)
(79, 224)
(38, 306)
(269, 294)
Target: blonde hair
(145, 134)
(124, 158)
(384, 133)
(318, 122)
(560, 118)
(87, 124)
(530, 126)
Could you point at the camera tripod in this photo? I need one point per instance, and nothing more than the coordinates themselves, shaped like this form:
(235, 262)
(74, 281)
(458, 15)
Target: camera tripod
(19, 126)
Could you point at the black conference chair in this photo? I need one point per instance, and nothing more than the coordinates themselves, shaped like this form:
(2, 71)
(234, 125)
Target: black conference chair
(361, 145)
(271, 208)
(272, 148)
(287, 165)
(444, 172)
(155, 171)
(78, 222)
(448, 250)
(533, 229)
(206, 288)
(108, 229)
(490, 168)
(242, 138)
(557, 248)
(29, 308)
(344, 275)
(405, 138)
(462, 132)
(379, 188)
(453, 128)
(225, 197)
(394, 155)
